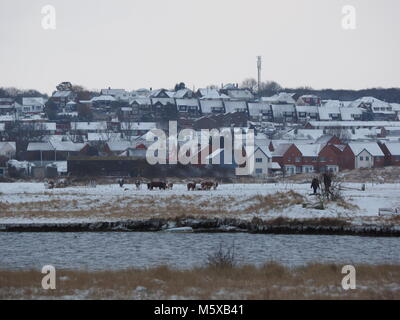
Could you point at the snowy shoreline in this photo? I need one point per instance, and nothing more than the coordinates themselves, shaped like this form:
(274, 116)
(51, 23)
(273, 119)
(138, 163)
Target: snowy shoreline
(285, 226)
(263, 208)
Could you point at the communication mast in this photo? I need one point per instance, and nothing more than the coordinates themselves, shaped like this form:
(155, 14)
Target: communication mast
(259, 67)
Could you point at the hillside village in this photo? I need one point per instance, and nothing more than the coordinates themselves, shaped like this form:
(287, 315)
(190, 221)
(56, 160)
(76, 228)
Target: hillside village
(74, 132)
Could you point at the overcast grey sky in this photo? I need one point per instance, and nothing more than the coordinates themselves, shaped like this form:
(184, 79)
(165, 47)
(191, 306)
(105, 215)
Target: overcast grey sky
(156, 43)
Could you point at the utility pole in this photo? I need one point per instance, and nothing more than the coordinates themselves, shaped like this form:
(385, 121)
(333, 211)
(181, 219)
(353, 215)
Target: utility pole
(259, 67)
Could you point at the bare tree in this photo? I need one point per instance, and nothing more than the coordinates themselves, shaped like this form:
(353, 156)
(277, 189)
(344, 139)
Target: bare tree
(341, 133)
(250, 83)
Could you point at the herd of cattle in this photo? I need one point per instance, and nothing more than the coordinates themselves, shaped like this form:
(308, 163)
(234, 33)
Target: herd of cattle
(192, 186)
(161, 185)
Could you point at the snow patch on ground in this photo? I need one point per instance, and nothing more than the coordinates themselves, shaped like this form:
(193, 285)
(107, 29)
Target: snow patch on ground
(75, 199)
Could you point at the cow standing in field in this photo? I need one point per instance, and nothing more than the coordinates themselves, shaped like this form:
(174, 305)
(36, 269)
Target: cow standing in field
(208, 185)
(170, 186)
(138, 183)
(155, 185)
(121, 182)
(191, 186)
(50, 184)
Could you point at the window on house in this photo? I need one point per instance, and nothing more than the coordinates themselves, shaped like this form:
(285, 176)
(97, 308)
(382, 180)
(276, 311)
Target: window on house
(361, 158)
(298, 159)
(259, 171)
(322, 159)
(259, 160)
(366, 158)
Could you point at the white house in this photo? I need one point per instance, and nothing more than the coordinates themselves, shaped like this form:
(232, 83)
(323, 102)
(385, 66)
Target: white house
(31, 105)
(8, 149)
(367, 155)
(262, 161)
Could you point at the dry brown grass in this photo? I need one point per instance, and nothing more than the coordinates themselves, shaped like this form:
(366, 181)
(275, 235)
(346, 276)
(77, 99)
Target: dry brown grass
(277, 201)
(149, 206)
(271, 281)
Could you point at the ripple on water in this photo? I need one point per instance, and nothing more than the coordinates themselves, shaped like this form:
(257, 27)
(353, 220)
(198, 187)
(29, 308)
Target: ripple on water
(104, 251)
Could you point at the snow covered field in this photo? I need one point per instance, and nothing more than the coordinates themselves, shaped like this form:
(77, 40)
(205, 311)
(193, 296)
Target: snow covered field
(32, 202)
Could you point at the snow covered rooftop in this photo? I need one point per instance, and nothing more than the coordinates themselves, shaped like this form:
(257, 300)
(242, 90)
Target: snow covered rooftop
(89, 126)
(104, 98)
(208, 106)
(114, 92)
(33, 101)
(142, 126)
(212, 94)
(376, 105)
(66, 146)
(264, 150)
(182, 93)
(281, 97)
(141, 101)
(309, 150)
(240, 94)
(280, 149)
(257, 108)
(326, 112)
(394, 148)
(187, 102)
(313, 134)
(348, 113)
(307, 109)
(360, 124)
(371, 147)
(233, 106)
(61, 94)
(163, 101)
(278, 110)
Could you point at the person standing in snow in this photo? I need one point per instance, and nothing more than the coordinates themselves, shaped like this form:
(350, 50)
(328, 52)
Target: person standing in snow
(327, 183)
(315, 185)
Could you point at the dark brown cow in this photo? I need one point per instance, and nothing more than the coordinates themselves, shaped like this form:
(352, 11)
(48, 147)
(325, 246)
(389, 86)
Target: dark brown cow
(207, 185)
(160, 185)
(191, 186)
